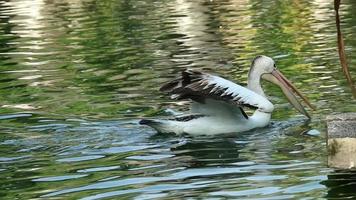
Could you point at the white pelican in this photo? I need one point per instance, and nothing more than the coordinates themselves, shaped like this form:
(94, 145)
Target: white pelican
(217, 106)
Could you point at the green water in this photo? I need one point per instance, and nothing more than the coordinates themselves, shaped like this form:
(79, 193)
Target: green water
(75, 77)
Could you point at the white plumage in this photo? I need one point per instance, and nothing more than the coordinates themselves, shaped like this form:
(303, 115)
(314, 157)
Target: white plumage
(218, 103)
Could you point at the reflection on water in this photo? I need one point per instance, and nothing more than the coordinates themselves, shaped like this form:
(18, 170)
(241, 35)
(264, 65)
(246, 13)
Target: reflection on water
(76, 75)
(341, 185)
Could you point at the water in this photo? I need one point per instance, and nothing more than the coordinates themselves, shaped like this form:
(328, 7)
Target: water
(75, 77)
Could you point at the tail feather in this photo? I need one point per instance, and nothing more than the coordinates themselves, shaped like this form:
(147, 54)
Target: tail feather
(148, 122)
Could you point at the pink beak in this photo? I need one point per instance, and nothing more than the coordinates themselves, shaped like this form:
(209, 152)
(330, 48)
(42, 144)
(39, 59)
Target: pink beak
(289, 90)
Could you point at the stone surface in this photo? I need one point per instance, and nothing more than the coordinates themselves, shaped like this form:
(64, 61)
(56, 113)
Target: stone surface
(341, 142)
(341, 125)
(342, 153)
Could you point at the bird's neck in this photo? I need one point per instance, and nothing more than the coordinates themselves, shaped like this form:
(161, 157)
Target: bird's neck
(259, 118)
(254, 82)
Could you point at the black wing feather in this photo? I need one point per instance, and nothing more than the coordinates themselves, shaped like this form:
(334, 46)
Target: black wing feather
(194, 85)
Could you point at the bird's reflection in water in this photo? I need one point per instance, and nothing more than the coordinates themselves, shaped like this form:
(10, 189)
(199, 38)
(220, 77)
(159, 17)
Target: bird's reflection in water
(208, 151)
(229, 150)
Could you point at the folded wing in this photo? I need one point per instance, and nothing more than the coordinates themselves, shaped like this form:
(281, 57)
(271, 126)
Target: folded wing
(200, 87)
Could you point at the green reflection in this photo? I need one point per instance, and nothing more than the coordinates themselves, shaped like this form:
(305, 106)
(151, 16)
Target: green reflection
(64, 62)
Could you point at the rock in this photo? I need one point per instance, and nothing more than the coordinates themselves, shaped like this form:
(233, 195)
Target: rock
(341, 133)
(341, 125)
(342, 153)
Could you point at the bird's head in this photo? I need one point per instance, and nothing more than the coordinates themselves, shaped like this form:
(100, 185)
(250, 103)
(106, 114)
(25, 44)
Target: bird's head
(266, 68)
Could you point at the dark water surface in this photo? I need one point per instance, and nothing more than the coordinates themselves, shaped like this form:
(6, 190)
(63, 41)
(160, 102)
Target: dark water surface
(75, 77)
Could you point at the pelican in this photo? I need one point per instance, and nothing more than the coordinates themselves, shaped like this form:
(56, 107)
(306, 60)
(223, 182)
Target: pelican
(218, 103)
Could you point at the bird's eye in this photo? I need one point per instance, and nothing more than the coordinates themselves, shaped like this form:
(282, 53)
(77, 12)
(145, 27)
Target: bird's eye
(274, 65)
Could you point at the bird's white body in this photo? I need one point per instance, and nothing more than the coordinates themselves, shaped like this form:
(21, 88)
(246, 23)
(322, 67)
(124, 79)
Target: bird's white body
(217, 102)
(223, 121)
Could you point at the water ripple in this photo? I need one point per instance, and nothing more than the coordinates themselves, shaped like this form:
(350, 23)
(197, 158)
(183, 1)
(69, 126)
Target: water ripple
(76, 76)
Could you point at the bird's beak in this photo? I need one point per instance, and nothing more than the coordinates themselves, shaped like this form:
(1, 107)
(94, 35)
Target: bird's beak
(289, 90)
